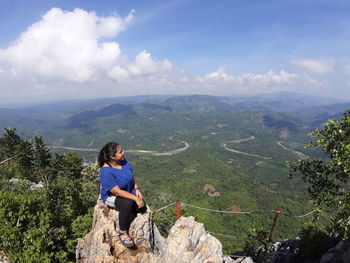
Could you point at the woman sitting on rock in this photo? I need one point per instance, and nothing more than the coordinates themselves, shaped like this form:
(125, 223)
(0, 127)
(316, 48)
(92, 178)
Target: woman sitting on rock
(119, 189)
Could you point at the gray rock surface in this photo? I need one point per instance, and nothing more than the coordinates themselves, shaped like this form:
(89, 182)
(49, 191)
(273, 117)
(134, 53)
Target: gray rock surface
(285, 251)
(339, 254)
(187, 242)
(101, 244)
(243, 260)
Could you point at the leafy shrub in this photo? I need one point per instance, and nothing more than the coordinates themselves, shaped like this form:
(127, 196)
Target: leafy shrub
(257, 245)
(314, 241)
(329, 178)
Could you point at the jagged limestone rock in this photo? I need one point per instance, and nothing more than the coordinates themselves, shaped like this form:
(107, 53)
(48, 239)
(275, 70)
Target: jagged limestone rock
(101, 244)
(187, 242)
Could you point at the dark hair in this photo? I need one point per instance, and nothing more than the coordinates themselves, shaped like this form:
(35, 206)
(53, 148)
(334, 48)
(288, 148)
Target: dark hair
(106, 152)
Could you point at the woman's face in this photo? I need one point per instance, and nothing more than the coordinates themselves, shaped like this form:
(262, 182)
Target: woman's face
(119, 154)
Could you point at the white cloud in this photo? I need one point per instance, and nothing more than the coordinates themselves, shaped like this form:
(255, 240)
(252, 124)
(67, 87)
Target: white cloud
(219, 75)
(143, 66)
(270, 78)
(313, 66)
(118, 73)
(247, 81)
(67, 52)
(66, 45)
(221, 83)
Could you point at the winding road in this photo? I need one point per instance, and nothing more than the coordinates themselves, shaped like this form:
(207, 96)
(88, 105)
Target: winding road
(172, 152)
(299, 154)
(244, 153)
(187, 145)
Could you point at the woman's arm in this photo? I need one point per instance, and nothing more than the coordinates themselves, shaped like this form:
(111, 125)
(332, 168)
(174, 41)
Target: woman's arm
(138, 192)
(119, 192)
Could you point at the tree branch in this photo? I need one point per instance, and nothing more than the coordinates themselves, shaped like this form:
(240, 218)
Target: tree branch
(6, 160)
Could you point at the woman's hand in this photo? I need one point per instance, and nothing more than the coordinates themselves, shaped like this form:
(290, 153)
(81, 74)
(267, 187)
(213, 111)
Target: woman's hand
(139, 202)
(138, 193)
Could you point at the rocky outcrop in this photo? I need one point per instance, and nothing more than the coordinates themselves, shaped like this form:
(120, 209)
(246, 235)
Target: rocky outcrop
(288, 252)
(339, 254)
(32, 185)
(187, 242)
(210, 190)
(101, 244)
(3, 258)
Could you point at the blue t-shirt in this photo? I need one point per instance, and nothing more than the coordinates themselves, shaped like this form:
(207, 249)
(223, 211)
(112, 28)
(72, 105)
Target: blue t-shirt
(111, 177)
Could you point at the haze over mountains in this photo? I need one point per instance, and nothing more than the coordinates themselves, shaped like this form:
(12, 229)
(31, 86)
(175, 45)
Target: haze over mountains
(42, 118)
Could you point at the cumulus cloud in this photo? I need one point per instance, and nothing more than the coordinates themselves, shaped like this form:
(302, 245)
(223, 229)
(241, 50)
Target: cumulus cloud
(313, 66)
(66, 45)
(219, 75)
(248, 81)
(143, 65)
(69, 51)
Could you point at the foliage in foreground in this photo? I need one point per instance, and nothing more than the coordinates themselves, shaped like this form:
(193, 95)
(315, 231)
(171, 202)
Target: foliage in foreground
(315, 241)
(329, 179)
(42, 224)
(257, 245)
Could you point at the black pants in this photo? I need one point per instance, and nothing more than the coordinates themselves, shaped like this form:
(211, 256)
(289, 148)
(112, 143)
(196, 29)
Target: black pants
(128, 210)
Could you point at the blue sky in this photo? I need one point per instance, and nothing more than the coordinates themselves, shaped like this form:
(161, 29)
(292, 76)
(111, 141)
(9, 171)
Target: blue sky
(83, 49)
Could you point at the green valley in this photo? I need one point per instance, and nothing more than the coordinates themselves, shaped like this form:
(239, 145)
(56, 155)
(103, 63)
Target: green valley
(235, 159)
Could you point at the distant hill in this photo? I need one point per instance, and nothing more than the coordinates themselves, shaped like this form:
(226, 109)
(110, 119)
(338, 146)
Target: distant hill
(198, 103)
(318, 115)
(155, 106)
(72, 123)
(280, 122)
(77, 120)
(279, 101)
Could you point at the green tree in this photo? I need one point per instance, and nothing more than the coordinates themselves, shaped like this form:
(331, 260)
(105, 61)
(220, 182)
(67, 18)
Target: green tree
(26, 159)
(68, 164)
(90, 185)
(41, 161)
(9, 152)
(9, 143)
(329, 178)
(42, 225)
(42, 154)
(27, 233)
